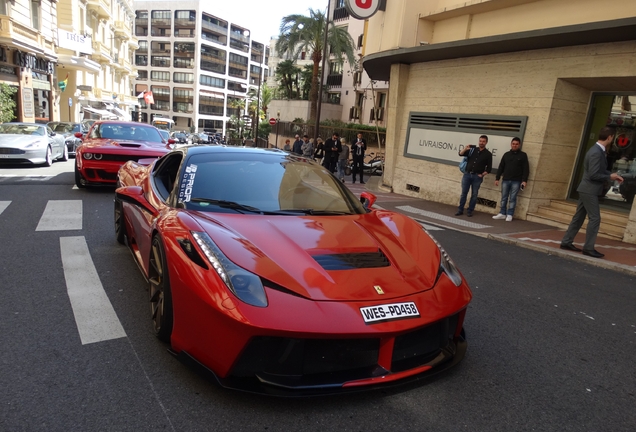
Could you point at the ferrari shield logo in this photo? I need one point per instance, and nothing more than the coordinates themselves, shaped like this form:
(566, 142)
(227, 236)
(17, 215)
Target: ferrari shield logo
(378, 289)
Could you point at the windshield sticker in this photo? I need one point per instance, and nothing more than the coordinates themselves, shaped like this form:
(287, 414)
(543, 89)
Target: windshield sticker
(185, 191)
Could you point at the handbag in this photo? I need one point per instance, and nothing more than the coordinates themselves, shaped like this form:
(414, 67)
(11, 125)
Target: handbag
(464, 163)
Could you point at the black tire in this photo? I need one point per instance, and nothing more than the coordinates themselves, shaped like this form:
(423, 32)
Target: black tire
(64, 156)
(159, 291)
(120, 225)
(49, 157)
(78, 179)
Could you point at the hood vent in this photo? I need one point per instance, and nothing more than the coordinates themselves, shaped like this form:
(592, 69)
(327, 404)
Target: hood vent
(130, 145)
(353, 261)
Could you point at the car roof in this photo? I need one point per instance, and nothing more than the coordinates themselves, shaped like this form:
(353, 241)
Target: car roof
(198, 149)
(121, 122)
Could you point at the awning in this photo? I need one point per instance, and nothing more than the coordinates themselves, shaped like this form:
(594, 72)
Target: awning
(105, 115)
(120, 113)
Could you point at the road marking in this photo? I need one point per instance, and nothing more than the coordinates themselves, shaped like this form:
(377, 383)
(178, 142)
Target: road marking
(94, 314)
(430, 227)
(4, 205)
(626, 248)
(61, 215)
(442, 217)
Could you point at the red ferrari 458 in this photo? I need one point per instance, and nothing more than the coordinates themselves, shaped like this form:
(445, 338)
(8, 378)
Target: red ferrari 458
(109, 144)
(266, 270)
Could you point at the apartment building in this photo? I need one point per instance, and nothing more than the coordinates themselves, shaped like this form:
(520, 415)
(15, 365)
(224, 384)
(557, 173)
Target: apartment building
(95, 59)
(27, 57)
(552, 72)
(194, 63)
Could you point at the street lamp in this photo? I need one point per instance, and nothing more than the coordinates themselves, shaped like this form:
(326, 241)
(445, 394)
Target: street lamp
(322, 73)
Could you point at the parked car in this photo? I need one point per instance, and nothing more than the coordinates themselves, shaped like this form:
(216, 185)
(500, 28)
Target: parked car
(109, 144)
(265, 269)
(68, 131)
(30, 143)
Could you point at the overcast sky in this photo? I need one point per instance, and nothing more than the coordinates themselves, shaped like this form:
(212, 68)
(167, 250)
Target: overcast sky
(263, 18)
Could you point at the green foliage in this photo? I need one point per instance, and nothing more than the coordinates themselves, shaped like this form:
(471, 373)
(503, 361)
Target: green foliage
(287, 77)
(7, 103)
(264, 129)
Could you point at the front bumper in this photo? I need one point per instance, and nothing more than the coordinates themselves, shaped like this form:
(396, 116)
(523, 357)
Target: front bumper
(20, 156)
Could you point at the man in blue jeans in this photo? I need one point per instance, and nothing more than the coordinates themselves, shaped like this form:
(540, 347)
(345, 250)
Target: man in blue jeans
(479, 165)
(514, 169)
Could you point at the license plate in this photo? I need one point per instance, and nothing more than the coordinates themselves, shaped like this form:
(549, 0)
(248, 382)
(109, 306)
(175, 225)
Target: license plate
(5, 156)
(389, 312)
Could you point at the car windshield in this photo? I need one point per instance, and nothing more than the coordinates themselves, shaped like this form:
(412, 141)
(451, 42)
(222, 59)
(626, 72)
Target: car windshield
(67, 128)
(22, 129)
(164, 134)
(126, 132)
(254, 183)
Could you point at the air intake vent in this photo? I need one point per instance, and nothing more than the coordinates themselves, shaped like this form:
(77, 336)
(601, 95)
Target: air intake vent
(353, 261)
(484, 124)
(428, 120)
(470, 123)
(130, 145)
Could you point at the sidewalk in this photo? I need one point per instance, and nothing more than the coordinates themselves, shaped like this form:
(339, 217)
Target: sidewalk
(619, 256)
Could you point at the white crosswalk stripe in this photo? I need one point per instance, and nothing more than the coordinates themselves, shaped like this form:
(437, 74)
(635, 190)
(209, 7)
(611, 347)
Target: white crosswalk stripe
(441, 217)
(94, 314)
(61, 215)
(4, 205)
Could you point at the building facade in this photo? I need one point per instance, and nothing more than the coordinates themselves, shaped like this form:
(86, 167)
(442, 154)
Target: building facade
(95, 59)
(28, 57)
(552, 72)
(196, 65)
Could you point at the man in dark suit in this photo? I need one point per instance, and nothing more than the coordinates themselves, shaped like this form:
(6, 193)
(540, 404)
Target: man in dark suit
(358, 148)
(595, 175)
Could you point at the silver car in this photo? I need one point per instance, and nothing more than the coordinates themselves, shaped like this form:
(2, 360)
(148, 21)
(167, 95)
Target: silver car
(30, 143)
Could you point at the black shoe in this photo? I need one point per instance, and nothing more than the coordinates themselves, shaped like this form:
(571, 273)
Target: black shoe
(459, 213)
(469, 214)
(570, 247)
(362, 182)
(593, 253)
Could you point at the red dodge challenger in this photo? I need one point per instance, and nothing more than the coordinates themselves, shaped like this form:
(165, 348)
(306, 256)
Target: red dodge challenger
(267, 271)
(109, 144)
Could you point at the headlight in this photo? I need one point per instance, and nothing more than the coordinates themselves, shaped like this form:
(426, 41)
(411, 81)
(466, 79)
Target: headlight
(245, 285)
(35, 144)
(446, 264)
(88, 155)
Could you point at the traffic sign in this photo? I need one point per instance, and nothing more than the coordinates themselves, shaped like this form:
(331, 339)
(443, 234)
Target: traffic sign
(272, 121)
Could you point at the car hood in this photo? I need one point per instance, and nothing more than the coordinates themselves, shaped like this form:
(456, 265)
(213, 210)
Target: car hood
(104, 144)
(337, 258)
(18, 140)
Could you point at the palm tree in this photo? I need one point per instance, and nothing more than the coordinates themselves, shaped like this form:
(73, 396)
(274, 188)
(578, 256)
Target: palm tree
(306, 33)
(287, 74)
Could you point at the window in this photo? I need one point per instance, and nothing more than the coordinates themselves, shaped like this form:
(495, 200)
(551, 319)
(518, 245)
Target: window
(159, 76)
(142, 75)
(4, 10)
(211, 81)
(335, 68)
(183, 78)
(35, 14)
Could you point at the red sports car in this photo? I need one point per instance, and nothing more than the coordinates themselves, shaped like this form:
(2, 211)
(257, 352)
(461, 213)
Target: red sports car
(109, 144)
(269, 272)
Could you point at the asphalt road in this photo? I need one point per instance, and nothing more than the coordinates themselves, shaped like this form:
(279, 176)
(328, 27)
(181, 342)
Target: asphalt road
(551, 343)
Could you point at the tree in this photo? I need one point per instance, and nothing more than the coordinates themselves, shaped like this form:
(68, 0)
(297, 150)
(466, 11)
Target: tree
(287, 75)
(306, 33)
(7, 103)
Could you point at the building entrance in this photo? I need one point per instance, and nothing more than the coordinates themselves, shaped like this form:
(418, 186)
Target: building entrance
(616, 111)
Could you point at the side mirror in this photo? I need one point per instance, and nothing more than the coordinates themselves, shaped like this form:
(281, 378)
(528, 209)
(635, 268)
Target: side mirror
(171, 141)
(135, 195)
(367, 199)
(79, 135)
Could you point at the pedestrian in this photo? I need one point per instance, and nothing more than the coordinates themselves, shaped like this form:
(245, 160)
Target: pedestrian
(595, 176)
(307, 148)
(514, 169)
(479, 165)
(320, 150)
(343, 159)
(287, 147)
(358, 150)
(298, 144)
(332, 150)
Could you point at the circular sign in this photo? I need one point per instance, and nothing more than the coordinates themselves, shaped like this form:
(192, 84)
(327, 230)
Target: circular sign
(362, 9)
(622, 141)
(272, 121)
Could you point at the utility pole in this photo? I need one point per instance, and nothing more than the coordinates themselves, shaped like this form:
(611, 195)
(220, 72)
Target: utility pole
(322, 72)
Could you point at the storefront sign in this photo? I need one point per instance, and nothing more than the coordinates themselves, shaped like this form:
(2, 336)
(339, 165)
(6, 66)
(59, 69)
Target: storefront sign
(74, 41)
(28, 60)
(27, 102)
(84, 88)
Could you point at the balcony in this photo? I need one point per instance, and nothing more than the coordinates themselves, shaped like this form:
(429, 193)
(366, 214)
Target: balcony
(101, 53)
(118, 63)
(239, 37)
(334, 80)
(340, 14)
(133, 43)
(100, 7)
(12, 30)
(123, 30)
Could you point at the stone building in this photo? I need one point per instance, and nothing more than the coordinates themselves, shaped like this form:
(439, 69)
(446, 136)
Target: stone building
(552, 72)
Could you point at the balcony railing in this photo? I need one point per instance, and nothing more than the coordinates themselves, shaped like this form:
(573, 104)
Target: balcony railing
(239, 37)
(340, 14)
(100, 7)
(214, 27)
(334, 80)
